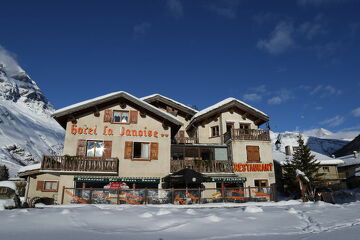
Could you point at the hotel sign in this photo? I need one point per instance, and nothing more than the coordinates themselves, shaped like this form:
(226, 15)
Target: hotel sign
(253, 167)
(122, 131)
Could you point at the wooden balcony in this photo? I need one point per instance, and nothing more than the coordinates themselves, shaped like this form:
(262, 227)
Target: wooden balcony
(247, 134)
(80, 164)
(203, 166)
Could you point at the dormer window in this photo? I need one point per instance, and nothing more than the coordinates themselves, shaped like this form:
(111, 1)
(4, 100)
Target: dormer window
(120, 116)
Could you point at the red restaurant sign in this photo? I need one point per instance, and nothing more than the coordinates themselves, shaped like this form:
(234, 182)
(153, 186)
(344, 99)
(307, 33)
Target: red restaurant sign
(257, 167)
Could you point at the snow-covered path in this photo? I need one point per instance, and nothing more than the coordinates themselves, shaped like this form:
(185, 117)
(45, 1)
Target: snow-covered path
(284, 220)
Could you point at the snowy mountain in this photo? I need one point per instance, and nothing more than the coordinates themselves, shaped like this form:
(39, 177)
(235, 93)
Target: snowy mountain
(319, 140)
(326, 134)
(26, 129)
(317, 132)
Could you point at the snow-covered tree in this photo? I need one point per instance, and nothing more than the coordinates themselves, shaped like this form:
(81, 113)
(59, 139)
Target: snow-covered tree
(4, 173)
(304, 161)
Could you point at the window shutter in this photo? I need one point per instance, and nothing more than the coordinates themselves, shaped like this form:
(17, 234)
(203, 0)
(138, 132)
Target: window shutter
(107, 115)
(133, 116)
(128, 150)
(107, 149)
(81, 148)
(40, 186)
(154, 151)
(253, 154)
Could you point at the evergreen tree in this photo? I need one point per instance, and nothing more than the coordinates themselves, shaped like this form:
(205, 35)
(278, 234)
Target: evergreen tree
(304, 161)
(4, 173)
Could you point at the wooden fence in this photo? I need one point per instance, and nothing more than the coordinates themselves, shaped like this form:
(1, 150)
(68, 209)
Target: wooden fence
(167, 196)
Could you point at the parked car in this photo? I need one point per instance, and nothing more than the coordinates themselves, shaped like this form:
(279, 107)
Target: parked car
(9, 196)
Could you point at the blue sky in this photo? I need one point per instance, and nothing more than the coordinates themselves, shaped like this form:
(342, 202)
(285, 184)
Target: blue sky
(298, 61)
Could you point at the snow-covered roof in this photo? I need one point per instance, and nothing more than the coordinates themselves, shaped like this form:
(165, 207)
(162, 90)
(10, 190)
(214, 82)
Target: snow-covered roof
(30, 168)
(108, 97)
(281, 157)
(8, 184)
(161, 97)
(224, 103)
(349, 160)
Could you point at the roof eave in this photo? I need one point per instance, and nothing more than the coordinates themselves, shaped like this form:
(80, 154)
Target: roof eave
(87, 104)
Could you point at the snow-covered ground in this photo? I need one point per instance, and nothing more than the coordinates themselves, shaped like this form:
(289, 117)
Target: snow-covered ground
(283, 220)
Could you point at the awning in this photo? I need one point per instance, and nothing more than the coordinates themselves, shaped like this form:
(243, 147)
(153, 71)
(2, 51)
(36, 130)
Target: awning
(118, 179)
(228, 179)
(185, 176)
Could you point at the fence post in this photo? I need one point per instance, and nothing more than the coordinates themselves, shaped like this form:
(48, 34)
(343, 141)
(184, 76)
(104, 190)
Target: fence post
(146, 196)
(118, 196)
(249, 193)
(273, 192)
(199, 195)
(62, 195)
(172, 195)
(223, 191)
(90, 196)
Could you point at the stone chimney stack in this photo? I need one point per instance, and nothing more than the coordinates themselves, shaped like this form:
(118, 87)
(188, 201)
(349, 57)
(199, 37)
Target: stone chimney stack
(356, 154)
(288, 150)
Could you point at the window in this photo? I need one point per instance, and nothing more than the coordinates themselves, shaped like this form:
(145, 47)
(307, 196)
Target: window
(244, 125)
(50, 186)
(215, 131)
(221, 154)
(261, 183)
(253, 154)
(4, 190)
(141, 150)
(95, 149)
(120, 117)
(177, 152)
(326, 169)
(191, 153)
(295, 149)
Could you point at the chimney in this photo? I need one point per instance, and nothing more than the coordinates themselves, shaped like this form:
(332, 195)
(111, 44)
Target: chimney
(288, 150)
(333, 156)
(356, 154)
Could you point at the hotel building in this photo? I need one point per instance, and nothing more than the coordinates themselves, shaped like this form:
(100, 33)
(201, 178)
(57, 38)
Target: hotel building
(140, 142)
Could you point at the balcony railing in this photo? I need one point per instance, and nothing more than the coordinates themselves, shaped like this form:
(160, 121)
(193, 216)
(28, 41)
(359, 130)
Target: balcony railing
(186, 140)
(203, 166)
(247, 134)
(80, 164)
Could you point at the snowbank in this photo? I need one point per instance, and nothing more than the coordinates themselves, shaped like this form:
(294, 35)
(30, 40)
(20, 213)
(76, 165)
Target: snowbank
(6, 203)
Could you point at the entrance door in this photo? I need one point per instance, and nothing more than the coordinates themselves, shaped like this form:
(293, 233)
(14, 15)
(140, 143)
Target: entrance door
(229, 127)
(182, 136)
(261, 183)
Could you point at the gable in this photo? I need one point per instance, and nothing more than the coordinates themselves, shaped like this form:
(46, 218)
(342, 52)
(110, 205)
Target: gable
(122, 99)
(170, 105)
(231, 105)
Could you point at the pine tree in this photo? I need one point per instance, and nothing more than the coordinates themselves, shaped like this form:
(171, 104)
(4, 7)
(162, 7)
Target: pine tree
(305, 162)
(4, 173)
